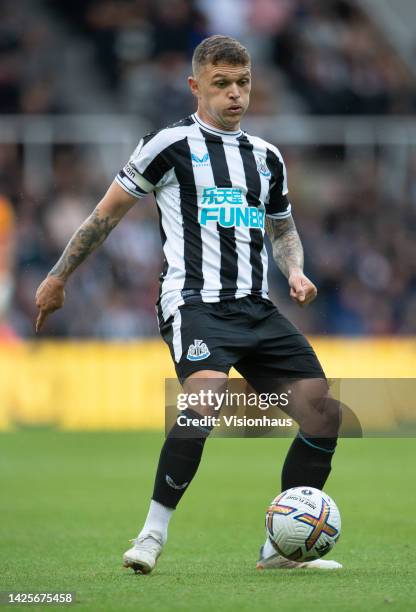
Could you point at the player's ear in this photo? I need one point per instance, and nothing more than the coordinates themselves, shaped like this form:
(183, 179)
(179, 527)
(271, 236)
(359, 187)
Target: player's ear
(193, 85)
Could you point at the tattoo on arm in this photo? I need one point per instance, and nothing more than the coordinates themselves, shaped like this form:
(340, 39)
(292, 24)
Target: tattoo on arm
(286, 244)
(86, 239)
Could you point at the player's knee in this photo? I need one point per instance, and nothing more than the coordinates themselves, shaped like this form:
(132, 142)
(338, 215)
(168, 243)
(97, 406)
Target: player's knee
(321, 412)
(326, 413)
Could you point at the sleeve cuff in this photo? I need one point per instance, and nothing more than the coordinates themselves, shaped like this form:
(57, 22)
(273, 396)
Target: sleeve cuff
(281, 215)
(129, 186)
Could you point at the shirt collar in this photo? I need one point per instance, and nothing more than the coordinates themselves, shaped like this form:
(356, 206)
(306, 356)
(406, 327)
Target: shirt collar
(210, 128)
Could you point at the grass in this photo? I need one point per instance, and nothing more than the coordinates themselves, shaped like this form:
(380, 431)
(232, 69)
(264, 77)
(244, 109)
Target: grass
(70, 501)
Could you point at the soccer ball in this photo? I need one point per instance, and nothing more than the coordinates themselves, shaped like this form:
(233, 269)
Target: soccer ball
(303, 523)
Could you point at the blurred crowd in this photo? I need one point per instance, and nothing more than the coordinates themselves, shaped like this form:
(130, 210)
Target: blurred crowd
(324, 56)
(329, 51)
(339, 63)
(30, 66)
(359, 239)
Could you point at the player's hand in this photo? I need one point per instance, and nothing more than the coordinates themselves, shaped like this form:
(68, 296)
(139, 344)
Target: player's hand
(50, 296)
(302, 290)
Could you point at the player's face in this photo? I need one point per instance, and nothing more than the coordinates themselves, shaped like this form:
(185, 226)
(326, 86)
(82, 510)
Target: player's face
(223, 93)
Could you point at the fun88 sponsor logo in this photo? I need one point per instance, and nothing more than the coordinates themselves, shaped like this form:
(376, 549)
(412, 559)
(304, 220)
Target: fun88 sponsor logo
(225, 206)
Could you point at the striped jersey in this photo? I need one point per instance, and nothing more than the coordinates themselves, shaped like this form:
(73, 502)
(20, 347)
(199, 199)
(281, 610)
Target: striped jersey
(213, 190)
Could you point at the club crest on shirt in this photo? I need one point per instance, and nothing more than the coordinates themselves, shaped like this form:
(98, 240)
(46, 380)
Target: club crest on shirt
(200, 160)
(262, 167)
(197, 351)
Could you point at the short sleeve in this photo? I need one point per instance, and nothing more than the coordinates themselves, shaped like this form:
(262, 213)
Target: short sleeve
(145, 168)
(277, 204)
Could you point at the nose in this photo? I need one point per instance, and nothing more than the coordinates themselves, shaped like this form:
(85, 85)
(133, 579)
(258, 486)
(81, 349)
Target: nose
(234, 92)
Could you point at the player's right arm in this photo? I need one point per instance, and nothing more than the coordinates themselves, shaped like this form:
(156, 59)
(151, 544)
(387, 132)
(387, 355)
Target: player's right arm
(142, 174)
(94, 230)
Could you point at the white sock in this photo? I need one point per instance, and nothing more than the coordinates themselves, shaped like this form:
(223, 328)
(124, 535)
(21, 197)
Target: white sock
(268, 549)
(157, 520)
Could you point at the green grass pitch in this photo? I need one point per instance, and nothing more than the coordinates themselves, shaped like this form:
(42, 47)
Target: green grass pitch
(70, 502)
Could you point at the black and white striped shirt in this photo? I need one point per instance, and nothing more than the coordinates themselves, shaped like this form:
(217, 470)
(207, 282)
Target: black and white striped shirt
(213, 190)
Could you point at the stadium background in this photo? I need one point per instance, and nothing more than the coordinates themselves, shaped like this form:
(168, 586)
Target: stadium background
(80, 82)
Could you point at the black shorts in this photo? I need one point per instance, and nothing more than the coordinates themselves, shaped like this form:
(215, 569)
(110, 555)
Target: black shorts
(249, 334)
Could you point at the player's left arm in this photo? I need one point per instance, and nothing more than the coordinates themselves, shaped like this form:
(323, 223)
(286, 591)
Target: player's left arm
(288, 255)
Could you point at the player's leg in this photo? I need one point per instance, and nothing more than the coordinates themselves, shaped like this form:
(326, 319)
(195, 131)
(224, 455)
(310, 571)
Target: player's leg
(284, 354)
(197, 338)
(309, 458)
(179, 460)
(182, 450)
(308, 461)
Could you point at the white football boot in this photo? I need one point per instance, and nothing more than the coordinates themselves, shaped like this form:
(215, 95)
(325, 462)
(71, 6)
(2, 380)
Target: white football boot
(144, 553)
(276, 561)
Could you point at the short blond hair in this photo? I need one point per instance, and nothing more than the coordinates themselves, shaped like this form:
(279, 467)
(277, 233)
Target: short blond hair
(217, 49)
